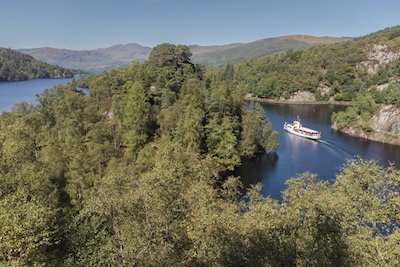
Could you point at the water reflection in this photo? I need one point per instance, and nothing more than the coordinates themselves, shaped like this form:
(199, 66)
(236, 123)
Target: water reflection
(259, 168)
(298, 142)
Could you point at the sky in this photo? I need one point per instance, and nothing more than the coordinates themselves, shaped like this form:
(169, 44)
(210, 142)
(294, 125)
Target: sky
(90, 24)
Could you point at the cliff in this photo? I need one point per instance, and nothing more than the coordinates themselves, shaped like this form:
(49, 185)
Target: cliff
(301, 97)
(385, 127)
(378, 55)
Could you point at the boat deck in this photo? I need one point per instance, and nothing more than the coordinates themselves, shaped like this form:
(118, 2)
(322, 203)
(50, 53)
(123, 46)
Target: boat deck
(308, 130)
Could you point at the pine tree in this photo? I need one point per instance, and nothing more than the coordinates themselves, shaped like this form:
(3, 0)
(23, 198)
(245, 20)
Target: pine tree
(222, 142)
(136, 118)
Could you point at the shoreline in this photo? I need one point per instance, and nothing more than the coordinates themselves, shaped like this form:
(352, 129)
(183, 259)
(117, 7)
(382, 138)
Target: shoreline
(275, 101)
(380, 137)
(376, 136)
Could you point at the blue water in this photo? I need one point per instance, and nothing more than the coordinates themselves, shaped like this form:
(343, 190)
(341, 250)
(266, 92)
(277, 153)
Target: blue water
(12, 93)
(297, 155)
(294, 156)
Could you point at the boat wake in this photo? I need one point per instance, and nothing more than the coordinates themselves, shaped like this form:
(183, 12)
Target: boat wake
(338, 149)
(325, 142)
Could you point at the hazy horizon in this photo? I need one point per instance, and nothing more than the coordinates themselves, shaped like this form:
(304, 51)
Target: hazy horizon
(123, 44)
(77, 25)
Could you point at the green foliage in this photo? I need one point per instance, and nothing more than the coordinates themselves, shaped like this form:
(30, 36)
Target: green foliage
(358, 115)
(336, 66)
(124, 177)
(368, 196)
(220, 103)
(392, 95)
(348, 223)
(333, 65)
(27, 228)
(257, 135)
(222, 142)
(388, 96)
(16, 66)
(136, 117)
(165, 71)
(173, 215)
(238, 53)
(381, 76)
(344, 119)
(190, 129)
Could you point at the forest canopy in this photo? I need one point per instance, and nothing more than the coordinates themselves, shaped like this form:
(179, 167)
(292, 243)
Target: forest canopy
(134, 174)
(336, 72)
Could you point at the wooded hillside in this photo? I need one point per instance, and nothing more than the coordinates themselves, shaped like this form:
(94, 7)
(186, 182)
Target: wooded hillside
(16, 66)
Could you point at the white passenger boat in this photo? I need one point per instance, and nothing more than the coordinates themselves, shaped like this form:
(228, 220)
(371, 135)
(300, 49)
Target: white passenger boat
(298, 129)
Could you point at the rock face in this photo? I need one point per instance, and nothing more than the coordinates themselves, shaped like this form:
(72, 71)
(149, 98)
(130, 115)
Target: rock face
(386, 127)
(378, 55)
(323, 89)
(302, 96)
(387, 120)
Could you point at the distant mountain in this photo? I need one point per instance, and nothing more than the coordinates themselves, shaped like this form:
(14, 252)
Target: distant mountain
(16, 66)
(314, 39)
(198, 49)
(236, 53)
(124, 55)
(102, 58)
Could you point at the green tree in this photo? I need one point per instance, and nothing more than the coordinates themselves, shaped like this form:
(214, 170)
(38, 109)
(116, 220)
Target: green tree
(165, 71)
(136, 118)
(190, 129)
(27, 230)
(367, 196)
(220, 102)
(257, 135)
(315, 227)
(222, 142)
(392, 95)
(381, 76)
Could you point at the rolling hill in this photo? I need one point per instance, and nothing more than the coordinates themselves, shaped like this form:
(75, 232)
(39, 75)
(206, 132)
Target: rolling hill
(237, 53)
(101, 58)
(124, 55)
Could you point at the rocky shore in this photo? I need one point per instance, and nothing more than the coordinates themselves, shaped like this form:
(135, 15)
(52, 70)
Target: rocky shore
(385, 124)
(295, 101)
